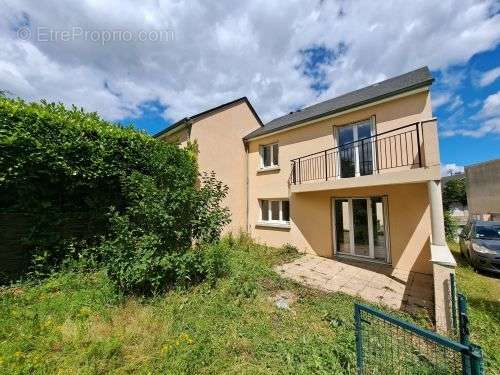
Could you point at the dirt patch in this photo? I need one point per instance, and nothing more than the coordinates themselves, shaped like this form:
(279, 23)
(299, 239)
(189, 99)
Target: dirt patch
(283, 299)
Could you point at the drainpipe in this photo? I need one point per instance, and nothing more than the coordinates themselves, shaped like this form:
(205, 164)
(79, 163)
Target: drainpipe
(247, 183)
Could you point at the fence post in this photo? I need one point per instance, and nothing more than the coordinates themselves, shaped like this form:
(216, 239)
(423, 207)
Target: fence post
(300, 178)
(326, 168)
(418, 145)
(476, 360)
(453, 288)
(359, 338)
(463, 321)
(294, 173)
(361, 159)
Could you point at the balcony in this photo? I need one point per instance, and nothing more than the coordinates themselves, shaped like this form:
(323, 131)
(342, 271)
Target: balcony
(405, 154)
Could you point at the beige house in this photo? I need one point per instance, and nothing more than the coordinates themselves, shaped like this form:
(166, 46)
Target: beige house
(354, 177)
(483, 190)
(219, 134)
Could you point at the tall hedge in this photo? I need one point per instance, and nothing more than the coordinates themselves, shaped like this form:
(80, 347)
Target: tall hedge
(57, 162)
(57, 159)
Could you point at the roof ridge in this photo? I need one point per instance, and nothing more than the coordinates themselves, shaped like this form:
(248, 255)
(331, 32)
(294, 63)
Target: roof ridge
(392, 86)
(352, 92)
(207, 111)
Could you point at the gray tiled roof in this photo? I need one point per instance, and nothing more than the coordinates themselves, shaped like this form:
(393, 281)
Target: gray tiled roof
(187, 120)
(390, 87)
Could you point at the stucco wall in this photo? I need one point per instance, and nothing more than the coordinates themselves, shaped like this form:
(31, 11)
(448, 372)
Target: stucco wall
(179, 137)
(311, 212)
(483, 187)
(221, 149)
(311, 223)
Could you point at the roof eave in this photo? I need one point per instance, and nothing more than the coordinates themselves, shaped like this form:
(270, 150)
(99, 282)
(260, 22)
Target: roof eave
(188, 120)
(179, 125)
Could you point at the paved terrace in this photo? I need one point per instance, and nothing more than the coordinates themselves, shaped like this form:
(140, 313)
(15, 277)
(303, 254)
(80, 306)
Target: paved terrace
(377, 283)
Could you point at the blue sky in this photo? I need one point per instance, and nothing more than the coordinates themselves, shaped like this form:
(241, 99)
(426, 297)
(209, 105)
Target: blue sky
(460, 82)
(281, 55)
(463, 112)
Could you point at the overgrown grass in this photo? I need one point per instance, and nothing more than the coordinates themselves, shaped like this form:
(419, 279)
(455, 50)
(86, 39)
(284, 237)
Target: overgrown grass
(483, 294)
(76, 323)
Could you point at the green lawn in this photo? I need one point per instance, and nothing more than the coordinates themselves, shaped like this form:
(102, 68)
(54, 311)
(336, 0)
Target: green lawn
(483, 294)
(77, 323)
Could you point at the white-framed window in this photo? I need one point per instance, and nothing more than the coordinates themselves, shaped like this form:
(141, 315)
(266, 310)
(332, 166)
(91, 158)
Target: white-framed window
(274, 211)
(269, 155)
(356, 158)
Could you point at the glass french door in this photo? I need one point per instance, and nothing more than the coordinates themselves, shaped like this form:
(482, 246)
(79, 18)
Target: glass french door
(355, 152)
(360, 227)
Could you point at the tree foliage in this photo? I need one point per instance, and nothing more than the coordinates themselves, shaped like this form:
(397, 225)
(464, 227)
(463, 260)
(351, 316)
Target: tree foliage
(450, 226)
(142, 194)
(454, 192)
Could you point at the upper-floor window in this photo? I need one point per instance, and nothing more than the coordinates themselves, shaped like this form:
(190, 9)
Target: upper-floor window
(269, 156)
(356, 150)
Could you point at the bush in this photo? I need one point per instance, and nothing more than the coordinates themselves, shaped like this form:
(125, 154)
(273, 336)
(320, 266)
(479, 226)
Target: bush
(141, 197)
(450, 226)
(55, 162)
(150, 244)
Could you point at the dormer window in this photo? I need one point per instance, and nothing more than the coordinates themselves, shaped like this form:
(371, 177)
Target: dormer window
(269, 156)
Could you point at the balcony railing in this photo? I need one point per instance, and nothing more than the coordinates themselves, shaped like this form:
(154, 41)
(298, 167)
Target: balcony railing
(397, 148)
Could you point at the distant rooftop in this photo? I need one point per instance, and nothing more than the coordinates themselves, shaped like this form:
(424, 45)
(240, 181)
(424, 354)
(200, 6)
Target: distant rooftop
(393, 86)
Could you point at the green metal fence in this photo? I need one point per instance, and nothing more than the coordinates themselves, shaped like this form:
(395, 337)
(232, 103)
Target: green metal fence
(388, 345)
(453, 297)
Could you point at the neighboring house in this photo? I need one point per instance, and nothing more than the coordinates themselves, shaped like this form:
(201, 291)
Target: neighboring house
(458, 210)
(483, 190)
(356, 177)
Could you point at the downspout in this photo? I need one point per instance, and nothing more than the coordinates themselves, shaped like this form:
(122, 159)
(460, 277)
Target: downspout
(247, 183)
(189, 126)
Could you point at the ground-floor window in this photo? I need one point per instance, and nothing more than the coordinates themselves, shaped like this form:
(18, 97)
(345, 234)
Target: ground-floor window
(360, 227)
(274, 211)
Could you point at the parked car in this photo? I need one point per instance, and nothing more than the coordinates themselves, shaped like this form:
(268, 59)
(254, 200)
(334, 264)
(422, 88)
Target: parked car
(480, 243)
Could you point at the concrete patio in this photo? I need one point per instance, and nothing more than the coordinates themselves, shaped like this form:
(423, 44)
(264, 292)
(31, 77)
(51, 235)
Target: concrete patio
(377, 283)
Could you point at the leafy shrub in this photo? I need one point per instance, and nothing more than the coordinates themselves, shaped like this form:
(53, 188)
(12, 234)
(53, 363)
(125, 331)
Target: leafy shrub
(150, 244)
(241, 286)
(289, 249)
(450, 226)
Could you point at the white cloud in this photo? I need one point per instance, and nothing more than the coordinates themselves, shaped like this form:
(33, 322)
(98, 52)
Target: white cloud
(449, 169)
(488, 127)
(452, 79)
(228, 49)
(451, 101)
(491, 106)
(488, 77)
(440, 99)
(485, 122)
(457, 102)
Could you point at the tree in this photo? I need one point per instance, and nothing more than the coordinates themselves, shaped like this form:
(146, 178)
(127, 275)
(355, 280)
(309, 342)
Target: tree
(454, 192)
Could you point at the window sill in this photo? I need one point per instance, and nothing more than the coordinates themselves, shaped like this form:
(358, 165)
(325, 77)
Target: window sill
(269, 224)
(268, 169)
